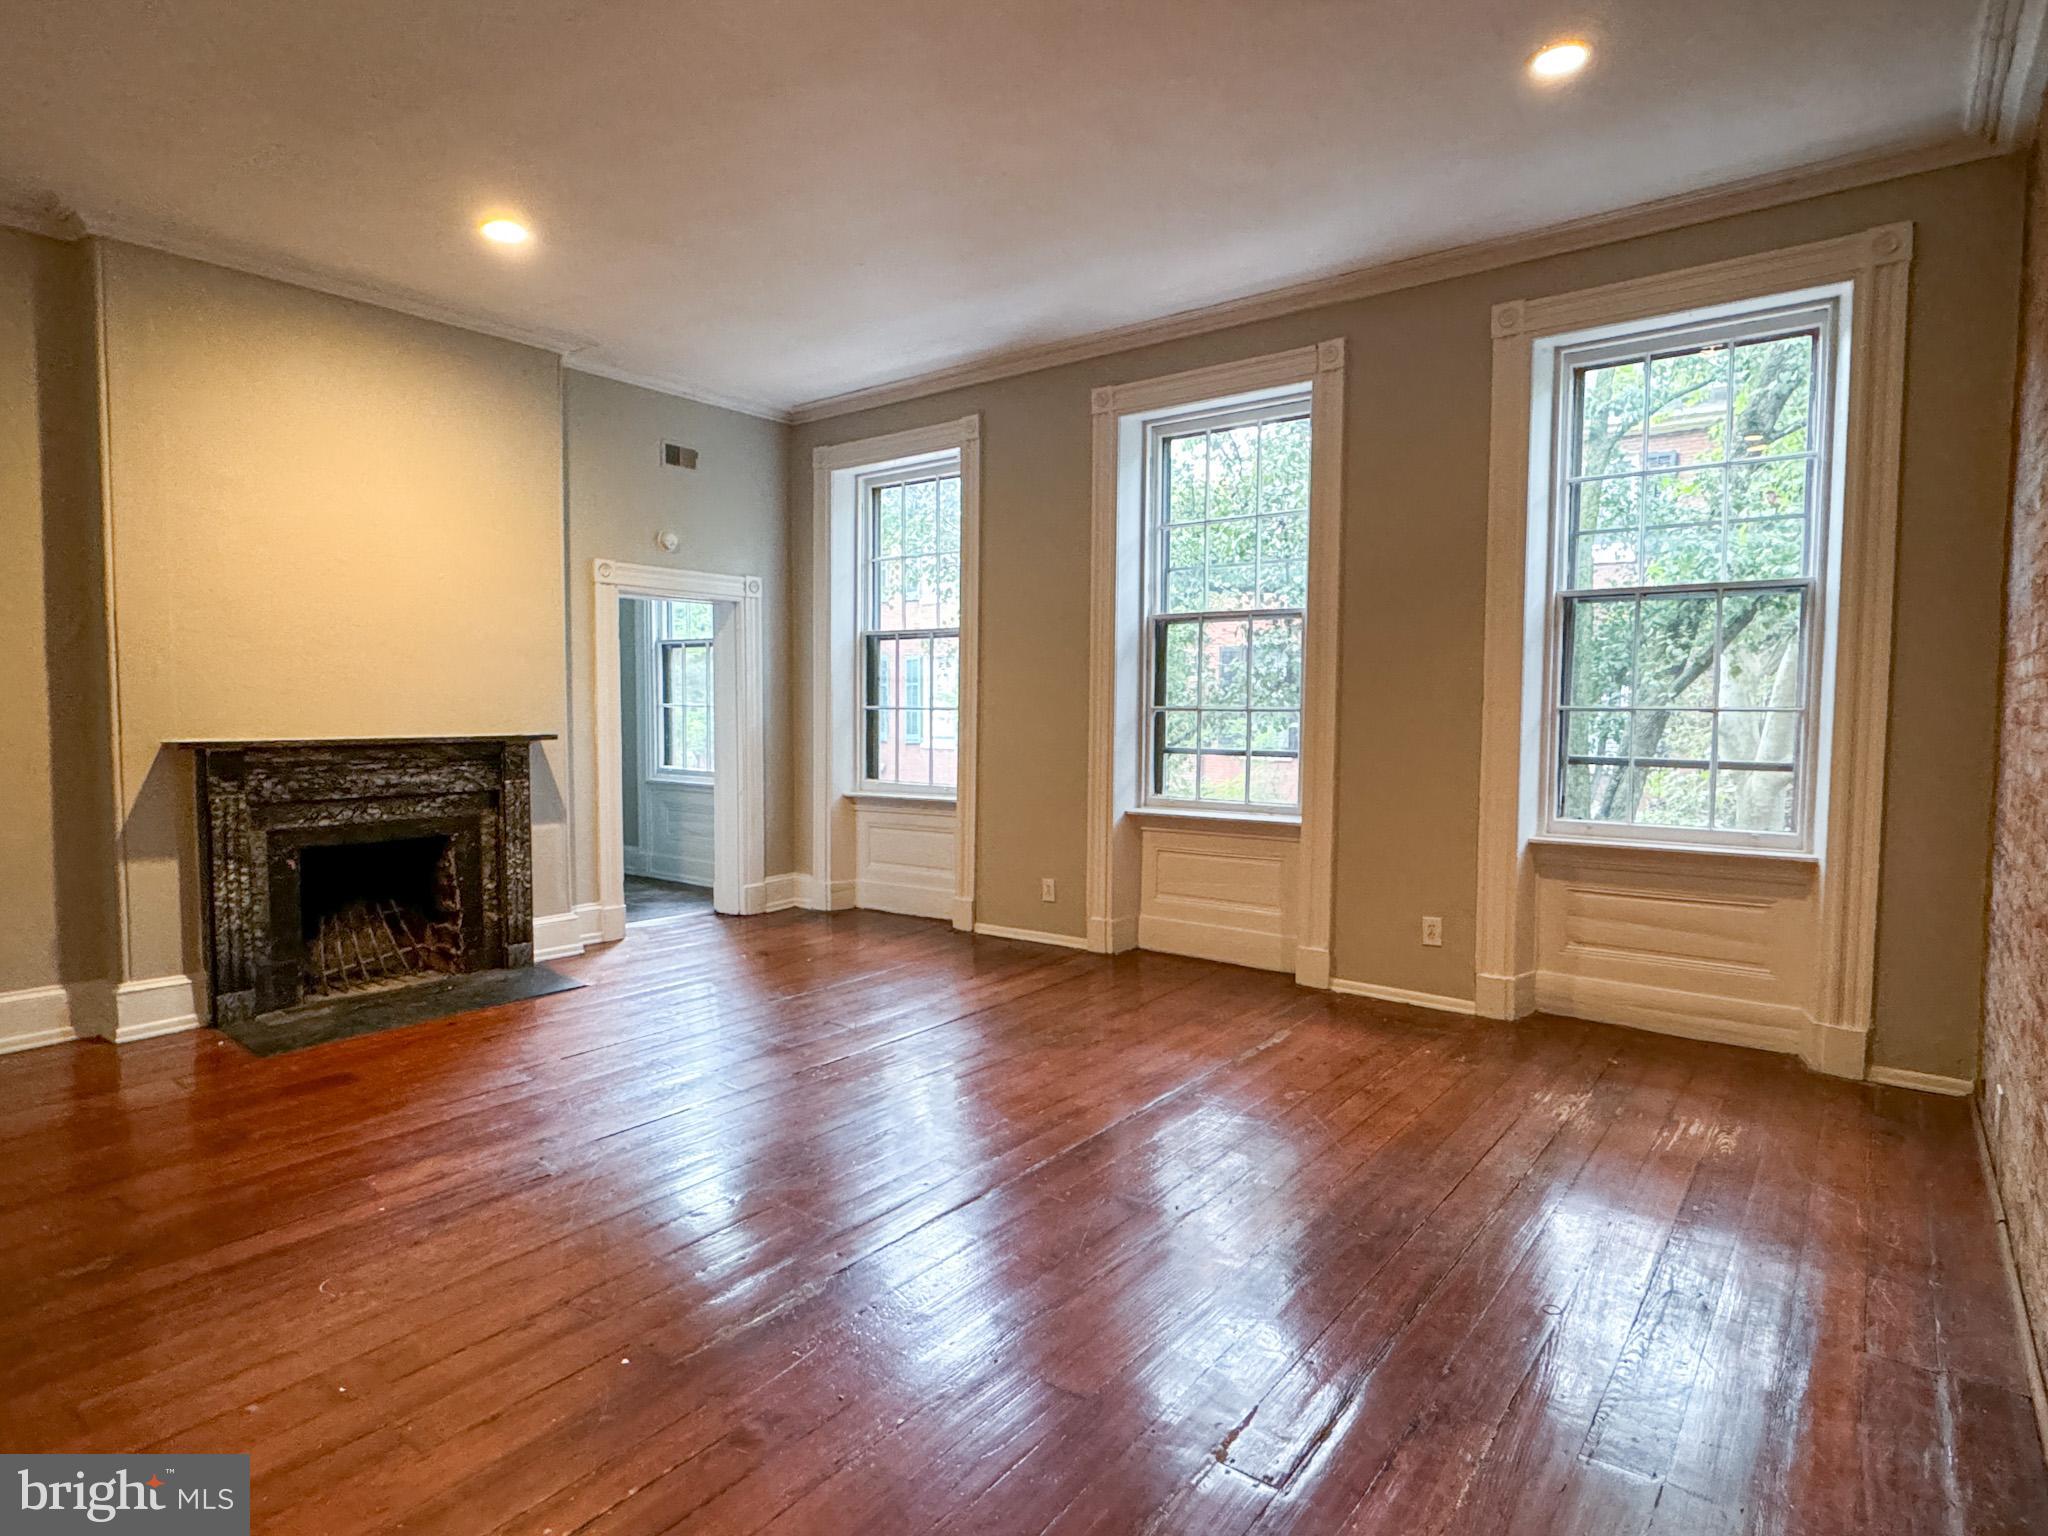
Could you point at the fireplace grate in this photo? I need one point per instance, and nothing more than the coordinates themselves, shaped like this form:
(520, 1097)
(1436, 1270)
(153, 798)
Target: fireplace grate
(377, 943)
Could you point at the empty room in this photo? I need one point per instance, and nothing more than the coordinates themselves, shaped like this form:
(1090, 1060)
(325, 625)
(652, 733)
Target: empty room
(1188, 766)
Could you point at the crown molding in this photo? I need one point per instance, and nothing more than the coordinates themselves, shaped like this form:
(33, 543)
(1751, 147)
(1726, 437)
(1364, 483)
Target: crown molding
(1727, 200)
(679, 389)
(2008, 72)
(49, 216)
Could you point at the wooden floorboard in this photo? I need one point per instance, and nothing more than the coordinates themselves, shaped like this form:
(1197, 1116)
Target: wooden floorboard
(806, 1224)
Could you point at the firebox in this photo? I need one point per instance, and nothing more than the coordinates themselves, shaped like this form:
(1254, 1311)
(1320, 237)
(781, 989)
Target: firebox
(377, 913)
(341, 867)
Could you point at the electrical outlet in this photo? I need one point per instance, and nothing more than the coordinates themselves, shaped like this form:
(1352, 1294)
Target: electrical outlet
(1047, 891)
(1433, 932)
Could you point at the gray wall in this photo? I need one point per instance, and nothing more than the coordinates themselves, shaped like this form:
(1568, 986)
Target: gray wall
(728, 514)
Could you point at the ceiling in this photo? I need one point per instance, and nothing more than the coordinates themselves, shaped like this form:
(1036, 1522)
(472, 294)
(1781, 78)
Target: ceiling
(772, 202)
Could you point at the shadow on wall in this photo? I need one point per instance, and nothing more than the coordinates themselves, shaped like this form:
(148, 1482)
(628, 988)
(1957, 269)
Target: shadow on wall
(82, 811)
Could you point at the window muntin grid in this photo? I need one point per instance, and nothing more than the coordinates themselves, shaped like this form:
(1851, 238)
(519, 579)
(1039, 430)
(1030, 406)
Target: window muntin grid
(1226, 597)
(910, 630)
(1687, 582)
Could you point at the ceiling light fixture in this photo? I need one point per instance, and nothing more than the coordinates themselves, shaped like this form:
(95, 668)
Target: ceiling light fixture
(1560, 61)
(505, 231)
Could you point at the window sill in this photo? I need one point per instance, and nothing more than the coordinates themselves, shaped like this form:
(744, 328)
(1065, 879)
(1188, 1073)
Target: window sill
(1254, 822)
(1787, 863)
(900, 801)
(683, 780)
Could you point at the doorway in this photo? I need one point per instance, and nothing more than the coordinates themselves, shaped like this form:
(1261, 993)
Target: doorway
(679, 743)
(667, 755)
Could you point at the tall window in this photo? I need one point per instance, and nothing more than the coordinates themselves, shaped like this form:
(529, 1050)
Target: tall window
(682, 672)
(1226, 589)
(910, 628)
(1687, 581)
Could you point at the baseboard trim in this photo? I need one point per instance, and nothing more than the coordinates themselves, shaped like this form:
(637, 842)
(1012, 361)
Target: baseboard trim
(2037, 1386)
(1777, 1027)
(825, 895)
(904, 900)
(558, 936)
(1925, 1082)
(1432, 1000)
(778, 893)
(1312, 967)
(1249, 947)
(36, 1016)
(159, 1005)
(1031, 936)
(1112, 936)
(1504, 997)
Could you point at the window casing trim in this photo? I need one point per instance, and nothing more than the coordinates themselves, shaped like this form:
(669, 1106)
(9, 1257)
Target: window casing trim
(1872, 268)
(1822, 310)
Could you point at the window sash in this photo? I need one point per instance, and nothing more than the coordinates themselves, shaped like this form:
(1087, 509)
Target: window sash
(674, 716)
(1159, 614)
(1809, 585)
(883, 723)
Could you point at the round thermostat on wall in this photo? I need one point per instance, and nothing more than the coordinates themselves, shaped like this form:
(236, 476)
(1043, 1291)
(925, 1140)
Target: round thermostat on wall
(668, 541)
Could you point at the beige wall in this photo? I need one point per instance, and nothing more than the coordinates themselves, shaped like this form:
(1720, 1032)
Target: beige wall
(727, 514)
(1414, 568)
(326, 519)
(55, 838)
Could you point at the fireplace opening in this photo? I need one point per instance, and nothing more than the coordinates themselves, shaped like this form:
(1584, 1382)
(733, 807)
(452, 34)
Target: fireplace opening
(376, 914)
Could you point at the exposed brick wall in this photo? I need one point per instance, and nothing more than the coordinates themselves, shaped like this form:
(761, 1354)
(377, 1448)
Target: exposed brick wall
(2016, 978)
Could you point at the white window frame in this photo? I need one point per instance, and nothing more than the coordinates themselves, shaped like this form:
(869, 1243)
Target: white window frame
(654, 643)
(1152, 617)
(1117, 762)
(834, 749)
(1868, 273)
(935, 466)
(1747, 321)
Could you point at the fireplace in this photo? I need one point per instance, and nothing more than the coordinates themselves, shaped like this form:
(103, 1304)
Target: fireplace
(339, 868)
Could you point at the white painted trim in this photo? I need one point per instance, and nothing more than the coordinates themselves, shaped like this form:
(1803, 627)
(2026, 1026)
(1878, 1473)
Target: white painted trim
(739, 725)
(600, 924)
(558, 936)
(835, 467)
(901, 899)
(1923, 1082)
(2008, 71)
(779, 893)
(1220, 942)
(1872, 267)
(825, 895)
(35, 1016)
(1739, 197)
(1119, 413)
(1032, 936)
(1433, 1000)
(580, 359)
(1671, 1011)
(160, 1005)
(2037, 1385)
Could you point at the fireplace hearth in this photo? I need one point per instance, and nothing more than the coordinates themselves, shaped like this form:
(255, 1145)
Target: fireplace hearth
(339, 868)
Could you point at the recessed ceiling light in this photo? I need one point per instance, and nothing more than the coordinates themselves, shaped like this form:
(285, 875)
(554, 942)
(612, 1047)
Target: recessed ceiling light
(505, 231)
(1560, 61)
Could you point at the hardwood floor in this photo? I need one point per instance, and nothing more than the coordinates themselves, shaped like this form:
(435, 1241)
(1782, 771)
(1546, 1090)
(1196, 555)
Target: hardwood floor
(648, 899)
(853, 1224)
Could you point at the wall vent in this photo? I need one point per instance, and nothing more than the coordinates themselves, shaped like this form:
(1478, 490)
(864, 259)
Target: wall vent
(676, 456)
